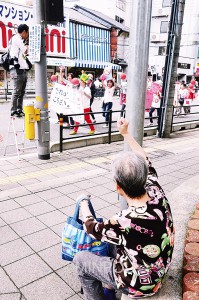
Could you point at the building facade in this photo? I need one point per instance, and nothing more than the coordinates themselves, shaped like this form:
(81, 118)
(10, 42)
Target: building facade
(187, 61)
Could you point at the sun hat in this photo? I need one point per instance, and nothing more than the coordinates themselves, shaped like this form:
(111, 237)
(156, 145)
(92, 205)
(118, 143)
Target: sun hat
(84, 77)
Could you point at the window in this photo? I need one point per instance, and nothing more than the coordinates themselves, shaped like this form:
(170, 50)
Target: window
(162, 50)
(166, 3)
(163, 27)
(121, 4)
(118, 19)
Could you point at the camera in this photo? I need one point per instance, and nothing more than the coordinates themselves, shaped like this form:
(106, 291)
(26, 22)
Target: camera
(14, 62)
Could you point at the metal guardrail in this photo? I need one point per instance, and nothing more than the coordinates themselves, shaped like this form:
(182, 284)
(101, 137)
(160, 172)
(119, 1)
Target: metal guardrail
(109, 132)
(109, 128)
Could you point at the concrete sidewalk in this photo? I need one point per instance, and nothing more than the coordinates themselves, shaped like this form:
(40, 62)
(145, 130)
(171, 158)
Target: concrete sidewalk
(37, 196)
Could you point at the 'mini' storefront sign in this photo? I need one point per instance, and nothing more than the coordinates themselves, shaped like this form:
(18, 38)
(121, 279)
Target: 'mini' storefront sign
(11, 15)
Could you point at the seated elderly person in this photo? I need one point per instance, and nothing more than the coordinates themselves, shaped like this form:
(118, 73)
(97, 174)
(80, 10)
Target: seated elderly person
(143, 234)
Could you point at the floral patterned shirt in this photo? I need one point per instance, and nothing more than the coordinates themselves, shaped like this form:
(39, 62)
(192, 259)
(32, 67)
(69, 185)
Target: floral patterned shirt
(144, 239)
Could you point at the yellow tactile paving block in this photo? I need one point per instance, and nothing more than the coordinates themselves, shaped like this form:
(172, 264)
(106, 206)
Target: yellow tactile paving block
(51, 171)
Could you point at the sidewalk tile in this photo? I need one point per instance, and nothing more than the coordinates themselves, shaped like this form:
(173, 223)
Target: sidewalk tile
(68, 211)
(52, 218)
(6, 286)
(50, 287)
(2, 223)
(15, 215)
(8, 205)
(98, 203)
(85, 184)
(52, 256)
(75, 297)
(49, 194)
(76, 194)
(27, 270)
(15, 296)
(28, 182)
(2, 175)
(61, 202)
(100, 180)
(111, 198)
(42, 239)
(47, 177)
(13, 172)
(68, 189)
(39, 208)
(9, 186)
(28, 199)
(58, 228)
(69, 275)
(110, 185)
(18, 192)
(7, 235)
(14, 251)
(28, 226)
(109, 211)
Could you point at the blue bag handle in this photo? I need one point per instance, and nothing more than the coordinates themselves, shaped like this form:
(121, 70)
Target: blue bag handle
(76, 213)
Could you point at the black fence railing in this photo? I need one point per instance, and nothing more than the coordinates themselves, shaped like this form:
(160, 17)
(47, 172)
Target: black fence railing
(109, 128)
(177, 118)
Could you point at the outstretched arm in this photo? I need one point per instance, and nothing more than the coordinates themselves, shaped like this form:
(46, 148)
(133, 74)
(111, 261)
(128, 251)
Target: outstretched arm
(122, 125)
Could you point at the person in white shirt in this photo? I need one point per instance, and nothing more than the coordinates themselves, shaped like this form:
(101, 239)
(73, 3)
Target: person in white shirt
(19, 68)
(108, 99)
(85, 96)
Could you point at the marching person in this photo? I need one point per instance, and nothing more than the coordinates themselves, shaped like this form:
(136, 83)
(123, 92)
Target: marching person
(143, 234)
(107, 99)
(19, 68)
(85, 95)
(66, 82)
(93, 91)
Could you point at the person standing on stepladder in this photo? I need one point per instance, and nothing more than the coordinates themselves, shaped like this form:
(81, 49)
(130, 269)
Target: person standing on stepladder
(19, 68)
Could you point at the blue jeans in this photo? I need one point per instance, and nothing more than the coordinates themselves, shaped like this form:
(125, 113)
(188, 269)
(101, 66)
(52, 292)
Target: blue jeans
(106, 107)
(19, 78)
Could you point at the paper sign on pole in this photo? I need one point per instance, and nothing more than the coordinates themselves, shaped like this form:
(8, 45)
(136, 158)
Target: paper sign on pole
(67, 100)
(34, 43)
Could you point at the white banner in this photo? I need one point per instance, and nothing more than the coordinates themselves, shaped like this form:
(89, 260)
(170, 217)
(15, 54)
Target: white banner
(67, 101)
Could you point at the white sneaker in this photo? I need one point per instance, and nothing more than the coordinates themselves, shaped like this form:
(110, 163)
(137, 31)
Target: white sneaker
(105, 125)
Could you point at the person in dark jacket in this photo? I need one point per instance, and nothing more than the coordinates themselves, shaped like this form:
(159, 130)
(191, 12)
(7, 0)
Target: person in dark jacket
(93, 91)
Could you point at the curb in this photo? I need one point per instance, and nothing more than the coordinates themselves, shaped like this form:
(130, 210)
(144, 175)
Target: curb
(191, 258)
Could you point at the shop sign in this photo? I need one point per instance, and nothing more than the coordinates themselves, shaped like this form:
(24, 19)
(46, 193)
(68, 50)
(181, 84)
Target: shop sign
(184, 66)
(11, 15)
(51, 61)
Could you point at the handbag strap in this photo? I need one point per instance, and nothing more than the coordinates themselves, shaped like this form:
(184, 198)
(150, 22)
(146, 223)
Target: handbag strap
(76, 213)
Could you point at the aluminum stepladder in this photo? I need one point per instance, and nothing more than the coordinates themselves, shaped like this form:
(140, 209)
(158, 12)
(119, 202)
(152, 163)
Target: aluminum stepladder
(12, 130)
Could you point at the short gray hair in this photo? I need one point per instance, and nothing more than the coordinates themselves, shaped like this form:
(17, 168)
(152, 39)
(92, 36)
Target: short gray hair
(130, 171)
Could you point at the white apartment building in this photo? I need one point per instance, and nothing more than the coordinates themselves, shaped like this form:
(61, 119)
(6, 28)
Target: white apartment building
(189, 40)
(119, 10)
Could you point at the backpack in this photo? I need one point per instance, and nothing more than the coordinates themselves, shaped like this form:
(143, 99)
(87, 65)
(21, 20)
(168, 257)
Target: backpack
(5, 60)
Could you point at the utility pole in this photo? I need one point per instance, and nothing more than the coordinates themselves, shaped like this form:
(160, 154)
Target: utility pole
(138, 67)
(171, 65)
(41, 86)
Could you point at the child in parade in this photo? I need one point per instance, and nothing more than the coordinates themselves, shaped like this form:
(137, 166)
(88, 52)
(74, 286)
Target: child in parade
(107, 99)
(85, 95)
